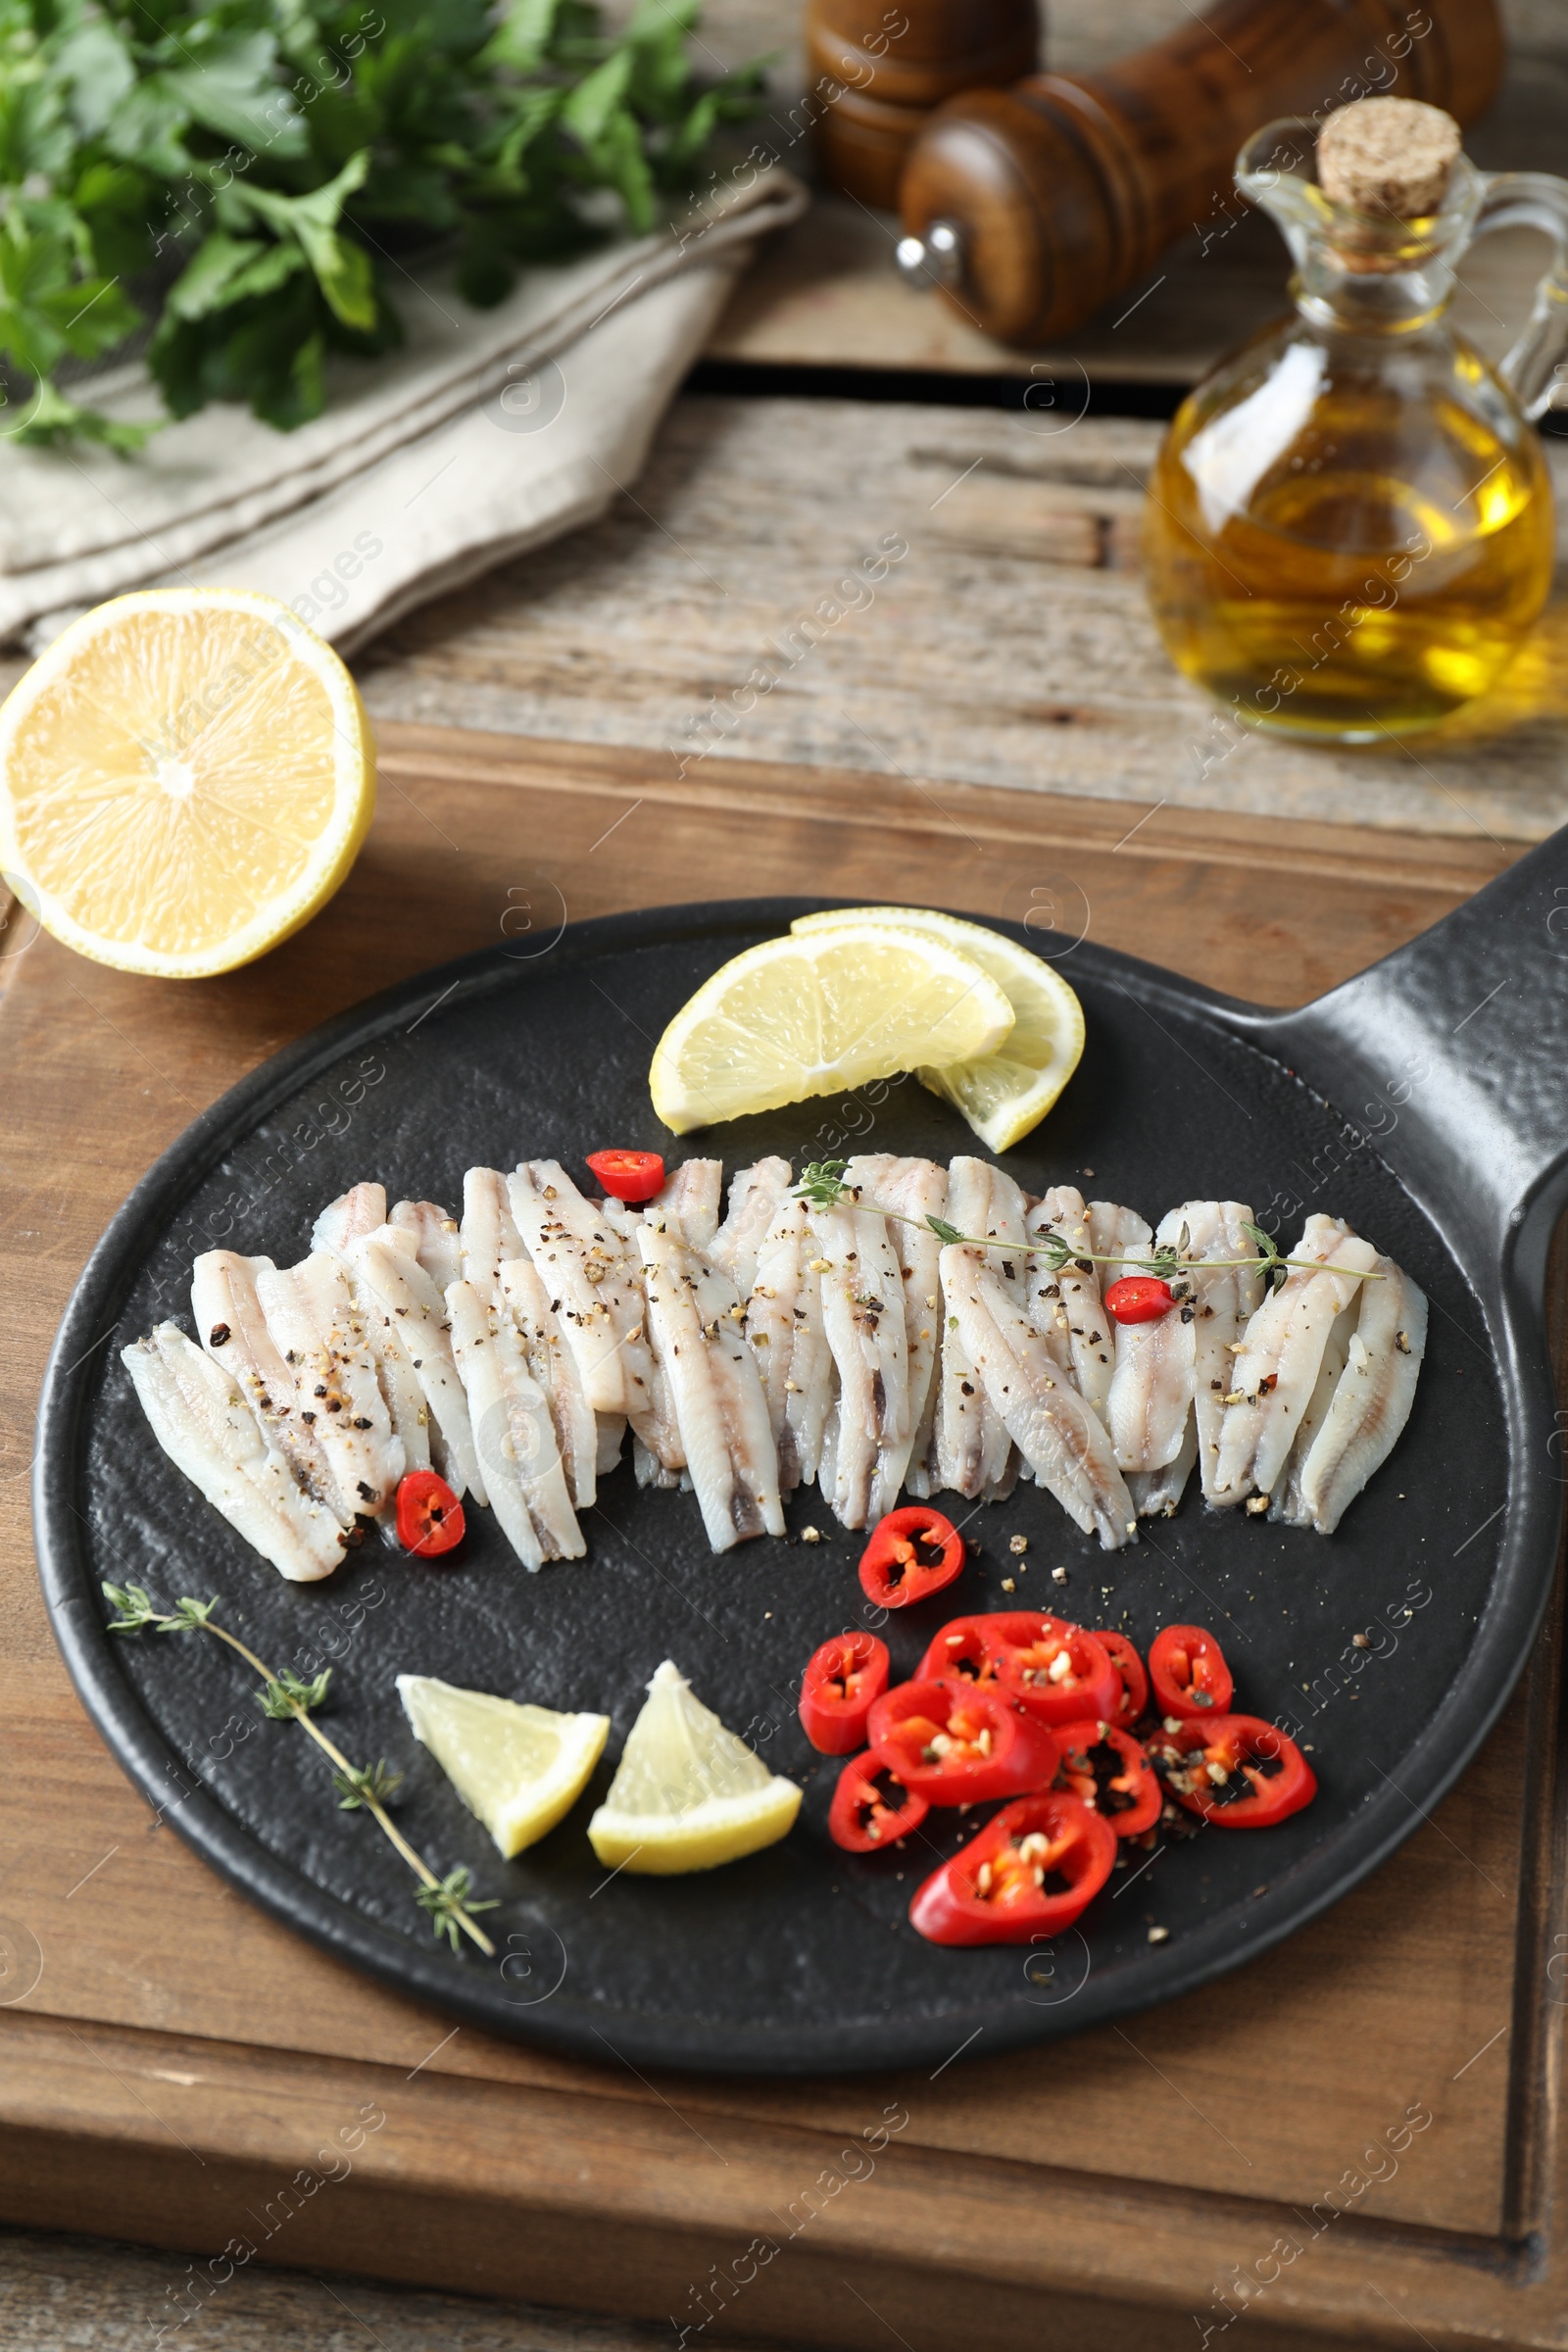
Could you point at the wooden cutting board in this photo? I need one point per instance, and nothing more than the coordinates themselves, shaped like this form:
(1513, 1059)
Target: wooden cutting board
(173, 2067)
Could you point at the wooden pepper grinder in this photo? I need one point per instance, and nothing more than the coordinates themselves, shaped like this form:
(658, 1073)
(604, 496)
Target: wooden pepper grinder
(894, 62)
(1033, 206)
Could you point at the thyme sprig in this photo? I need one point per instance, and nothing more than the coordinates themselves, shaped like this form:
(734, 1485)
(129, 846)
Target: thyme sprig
(447, 1904)
(821, 1185)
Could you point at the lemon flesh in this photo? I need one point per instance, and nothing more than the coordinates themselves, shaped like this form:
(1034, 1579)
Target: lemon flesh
(186, 775)
(1006, 1092)
(521, 1769)
(810, 1014)
(687, 1793)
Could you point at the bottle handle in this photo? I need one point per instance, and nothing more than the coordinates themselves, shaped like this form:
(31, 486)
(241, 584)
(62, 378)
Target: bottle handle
(1534, 200)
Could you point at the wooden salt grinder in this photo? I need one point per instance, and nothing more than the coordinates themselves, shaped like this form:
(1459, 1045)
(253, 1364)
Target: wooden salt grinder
(895, 62)
(1033, 206)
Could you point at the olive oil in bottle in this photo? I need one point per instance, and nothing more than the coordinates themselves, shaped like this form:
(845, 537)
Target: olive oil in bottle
(1349, 529)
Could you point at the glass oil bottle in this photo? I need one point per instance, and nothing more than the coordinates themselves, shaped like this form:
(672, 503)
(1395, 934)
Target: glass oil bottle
(1349, 530)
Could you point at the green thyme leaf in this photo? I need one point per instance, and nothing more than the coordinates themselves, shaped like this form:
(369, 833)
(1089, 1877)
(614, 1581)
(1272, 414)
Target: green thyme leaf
(448, 1903)
(366, 1785)
(287, 1695)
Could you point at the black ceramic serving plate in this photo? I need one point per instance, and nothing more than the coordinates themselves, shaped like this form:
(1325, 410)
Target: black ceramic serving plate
(1424, 1101)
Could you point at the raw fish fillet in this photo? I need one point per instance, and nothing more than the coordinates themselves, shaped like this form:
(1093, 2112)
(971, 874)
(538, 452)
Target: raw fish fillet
(317, 1328)
(207, 1431)
(1282, 1352)
(488, 1234)
(862, 1317)
(1156, 1492)
(1372, 1400)
(972, 1448)
(513, 1432)
(723, 1413)
(594, 1288)
(1160, 1365)
(1059, 1437)
(784, 1326)
(1286, 1502)
(233, 1330)
(394, 1285)
(917, 1189)
(435, 1237)
(1067, 1305)
(690, 1200)
(755, 1196)
(361, 1209)
(555, 1372)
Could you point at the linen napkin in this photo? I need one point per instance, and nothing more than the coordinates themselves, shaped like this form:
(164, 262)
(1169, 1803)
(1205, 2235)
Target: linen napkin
(488, 432)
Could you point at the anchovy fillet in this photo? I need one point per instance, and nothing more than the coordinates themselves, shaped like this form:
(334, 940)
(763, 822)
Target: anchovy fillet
(205, 1426)
(392, 1282)
(1372, 1399)
(723, 1413)
(361, 1209)
(862, 1317)
(971, 1446)
(1280, 1355)
(784, 1326)
(554, 1369)
(232, 1329)
(314, 1324)
(436, 1240)
(1059, 1437)
(594, 1289)
(1065, 1304)
(755, 1196)
(513, 1434)
(488, 1235)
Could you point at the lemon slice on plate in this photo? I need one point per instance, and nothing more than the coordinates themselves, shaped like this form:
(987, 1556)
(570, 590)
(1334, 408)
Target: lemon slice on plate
(186, 775)
(687, 1793)
(809, 1015)
(1005, 1092)
(521, 1769)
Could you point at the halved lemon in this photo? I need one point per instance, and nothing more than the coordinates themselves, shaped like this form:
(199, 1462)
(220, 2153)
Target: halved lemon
(687, 1795)
(186, 775)
(521, 1769)
(811, 1015)
(1006, 1092)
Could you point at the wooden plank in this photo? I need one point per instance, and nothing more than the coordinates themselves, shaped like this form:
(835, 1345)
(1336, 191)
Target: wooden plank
(170, 2018)
(742, 603)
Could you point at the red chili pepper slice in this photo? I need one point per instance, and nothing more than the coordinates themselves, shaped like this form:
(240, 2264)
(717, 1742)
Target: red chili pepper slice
(962, 1648)
(840, 1681)
(1030, 1873)
(1238, 1772)
(1107, 1768)
(1053, 1668)
(1138, 1298)
(431, 1517)
(1188, 1673)
(872, 1808)
(1130, 1673)
(629, 1176)
(912, 1553)
(956, 1744)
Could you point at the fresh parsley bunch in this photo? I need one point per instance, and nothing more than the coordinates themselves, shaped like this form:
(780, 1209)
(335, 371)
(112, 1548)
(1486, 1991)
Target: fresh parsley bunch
(254, 173)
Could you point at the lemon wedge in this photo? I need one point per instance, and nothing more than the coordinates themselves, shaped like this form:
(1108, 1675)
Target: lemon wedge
(687, 1793)
(811, 1014)
(1006, 1092)
(521, 1769)
(186, 775)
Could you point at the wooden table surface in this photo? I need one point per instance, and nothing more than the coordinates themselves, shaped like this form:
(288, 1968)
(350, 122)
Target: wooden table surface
(170, 2057)
(1001, 709)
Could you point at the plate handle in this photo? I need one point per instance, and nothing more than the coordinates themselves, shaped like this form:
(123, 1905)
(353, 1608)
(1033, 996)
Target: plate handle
(1459, 1041)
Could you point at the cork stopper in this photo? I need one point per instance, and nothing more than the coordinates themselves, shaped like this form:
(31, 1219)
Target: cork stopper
(1388, 155)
